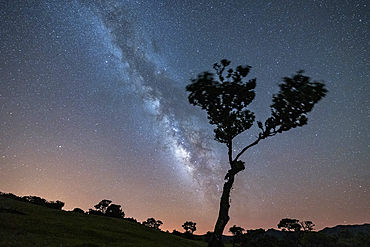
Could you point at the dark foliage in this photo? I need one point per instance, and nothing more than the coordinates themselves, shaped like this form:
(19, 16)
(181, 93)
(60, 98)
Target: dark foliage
(35, 200)
(189, 227)
(344, 238)
(132, 219)
(115, 211)
(78, 210)
(55, 205)
(177, 233)
(237, 233)
(95, 212)
(207, 236)
(259, 238)
(289, 225)
(307, 226)
(151, 222)
(102, 205)
(225, 100)
(225, 97)
(339, 236)
(105, 208)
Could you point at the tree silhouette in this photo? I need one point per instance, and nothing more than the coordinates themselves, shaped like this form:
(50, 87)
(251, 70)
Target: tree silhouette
(189, 227)
(78, 210)
(289, 225)
(151, 222)
(225, 100)
(237, 233)
(102, 206)
(115, 211)
(307, 226)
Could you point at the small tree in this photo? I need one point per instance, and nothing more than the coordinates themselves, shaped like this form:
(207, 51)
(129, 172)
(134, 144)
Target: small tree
(307, 226)
(55, 205)
(78, 210)
(237, 233)
(189, 227)
(115, 211)
(289, 225)
(102, 206)
(226, 99)
(151, 222)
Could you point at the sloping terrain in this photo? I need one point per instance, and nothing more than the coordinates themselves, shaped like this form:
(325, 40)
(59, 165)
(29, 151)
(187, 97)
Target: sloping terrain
(25, 224)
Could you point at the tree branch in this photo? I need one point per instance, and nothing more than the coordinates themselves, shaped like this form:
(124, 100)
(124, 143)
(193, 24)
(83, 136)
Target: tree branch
(249, 146)
(230, 151)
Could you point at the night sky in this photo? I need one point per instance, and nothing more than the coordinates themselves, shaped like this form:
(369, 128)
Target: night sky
(93, 106)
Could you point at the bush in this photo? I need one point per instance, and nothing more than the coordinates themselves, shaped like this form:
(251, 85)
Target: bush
(78, 210)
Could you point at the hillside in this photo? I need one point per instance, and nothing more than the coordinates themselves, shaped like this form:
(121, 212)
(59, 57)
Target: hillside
(25, 224)
(353, 229)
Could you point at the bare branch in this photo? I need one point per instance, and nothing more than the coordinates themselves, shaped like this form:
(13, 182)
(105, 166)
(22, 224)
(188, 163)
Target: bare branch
(249, 146)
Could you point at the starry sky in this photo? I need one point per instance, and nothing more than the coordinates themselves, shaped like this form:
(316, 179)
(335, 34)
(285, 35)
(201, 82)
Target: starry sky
(93, 106)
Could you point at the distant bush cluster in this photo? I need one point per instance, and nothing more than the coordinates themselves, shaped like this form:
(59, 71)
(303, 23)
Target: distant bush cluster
(35, 200)
(105, 208)
(296, 233)
(153, 223)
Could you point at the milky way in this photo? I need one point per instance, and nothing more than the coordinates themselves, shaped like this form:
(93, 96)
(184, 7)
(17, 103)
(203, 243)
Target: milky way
(93, 106)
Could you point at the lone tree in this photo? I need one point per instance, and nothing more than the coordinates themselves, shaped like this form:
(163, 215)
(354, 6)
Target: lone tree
(226, 99)
(189, 227)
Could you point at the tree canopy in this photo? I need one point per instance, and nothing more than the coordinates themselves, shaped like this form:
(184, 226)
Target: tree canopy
(105, 208)
(102, 205)
(289, 225)
(189, 227)
(151, 222)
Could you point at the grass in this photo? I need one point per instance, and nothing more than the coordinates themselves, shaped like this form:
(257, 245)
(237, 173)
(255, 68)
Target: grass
(25, 224)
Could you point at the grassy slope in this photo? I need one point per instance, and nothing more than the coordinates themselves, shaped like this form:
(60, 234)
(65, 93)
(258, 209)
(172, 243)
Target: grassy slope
(41, 226)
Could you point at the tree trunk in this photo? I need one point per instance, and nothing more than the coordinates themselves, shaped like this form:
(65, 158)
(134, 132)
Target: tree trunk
(223, 215)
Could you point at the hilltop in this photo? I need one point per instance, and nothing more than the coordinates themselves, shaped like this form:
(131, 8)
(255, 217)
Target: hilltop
(26, 224)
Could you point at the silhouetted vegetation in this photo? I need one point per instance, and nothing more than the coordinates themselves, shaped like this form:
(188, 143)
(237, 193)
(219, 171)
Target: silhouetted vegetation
(132, 219)
(115, 211)
(78, 210)
(307, 226)
(102, 206)
(296, 235)
(226, 98)
(189, 227)
(289, 225)
(35, 200)
(177, 233)
(237, 233)
(151, 222)
(105, 208)
(24, 223)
